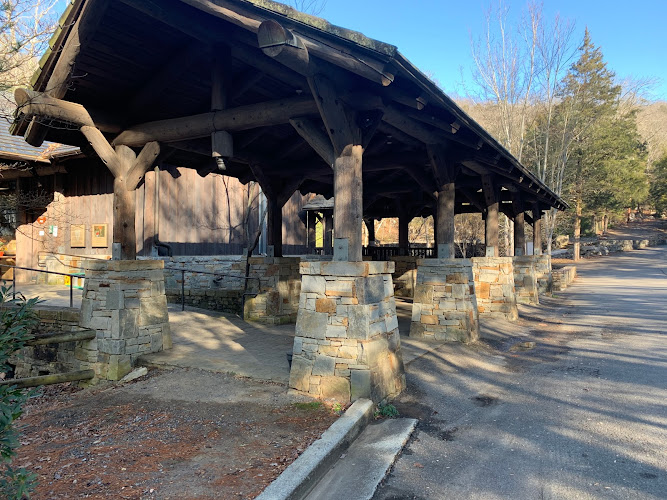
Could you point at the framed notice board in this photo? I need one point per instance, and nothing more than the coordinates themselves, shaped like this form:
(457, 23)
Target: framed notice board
(100, 236)
(77, 236)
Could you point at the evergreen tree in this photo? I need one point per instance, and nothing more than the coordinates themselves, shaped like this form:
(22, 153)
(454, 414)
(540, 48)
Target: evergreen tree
(603, 156)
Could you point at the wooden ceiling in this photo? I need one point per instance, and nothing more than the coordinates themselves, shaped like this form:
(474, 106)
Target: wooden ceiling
(132, 62)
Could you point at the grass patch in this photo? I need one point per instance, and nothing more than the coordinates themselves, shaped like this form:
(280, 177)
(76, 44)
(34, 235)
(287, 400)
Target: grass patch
(312, 405)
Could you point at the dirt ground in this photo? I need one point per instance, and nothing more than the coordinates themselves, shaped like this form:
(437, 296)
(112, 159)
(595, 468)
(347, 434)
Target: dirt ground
(183, 434)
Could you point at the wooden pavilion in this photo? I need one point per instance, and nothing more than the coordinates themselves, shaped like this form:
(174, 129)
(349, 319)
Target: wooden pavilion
(265, 92)
(257, 90)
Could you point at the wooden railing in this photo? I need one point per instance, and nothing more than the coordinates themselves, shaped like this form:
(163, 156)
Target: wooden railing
(385, 253)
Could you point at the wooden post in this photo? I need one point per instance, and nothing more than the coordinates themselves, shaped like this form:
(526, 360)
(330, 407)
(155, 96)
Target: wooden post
(124, 209)
(328, 232)
(274, 225)
(348, 195)
(445, 221)
(347, 140)
(370, 225)
(519, 234)
(537, 231)
(491, 228)
(403, 233)
(312, 234)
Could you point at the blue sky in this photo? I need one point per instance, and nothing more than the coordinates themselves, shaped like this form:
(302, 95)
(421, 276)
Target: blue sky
(435, 34)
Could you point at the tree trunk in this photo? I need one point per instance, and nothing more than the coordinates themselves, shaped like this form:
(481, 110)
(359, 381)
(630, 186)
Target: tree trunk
(577, 231)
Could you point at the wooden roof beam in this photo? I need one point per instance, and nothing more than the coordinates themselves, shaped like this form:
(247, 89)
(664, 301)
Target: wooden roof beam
(317, 139)
(294, 51)
(262, 114)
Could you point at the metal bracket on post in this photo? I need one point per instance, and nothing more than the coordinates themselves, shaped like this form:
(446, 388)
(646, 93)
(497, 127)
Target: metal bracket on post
(490, 251)
(270, 251)
(341, 249)
(115, 251)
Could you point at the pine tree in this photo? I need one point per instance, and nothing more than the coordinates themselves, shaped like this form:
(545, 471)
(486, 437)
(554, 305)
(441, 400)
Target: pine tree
(604, 158)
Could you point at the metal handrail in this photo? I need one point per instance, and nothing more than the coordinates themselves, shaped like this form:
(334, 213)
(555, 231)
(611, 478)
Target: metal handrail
(55, 254)
(184, 270)
(71, 282)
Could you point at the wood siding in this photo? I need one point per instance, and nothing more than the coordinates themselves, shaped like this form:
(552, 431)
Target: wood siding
(197, 216)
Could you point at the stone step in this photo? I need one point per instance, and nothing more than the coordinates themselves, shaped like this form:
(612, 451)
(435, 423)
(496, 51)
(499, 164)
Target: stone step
(356, 475)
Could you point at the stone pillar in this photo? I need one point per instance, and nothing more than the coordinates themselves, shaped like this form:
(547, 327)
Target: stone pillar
(125, 302)
(445, 221)
(328, 232)
(543, 273)
(537, 231)
(347, 344)
(494, 286)
(444, 306)
(274, 226)
(525, 279)
(519, 235)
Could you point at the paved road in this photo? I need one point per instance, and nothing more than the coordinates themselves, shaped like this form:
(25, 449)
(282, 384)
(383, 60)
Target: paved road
(581, 416)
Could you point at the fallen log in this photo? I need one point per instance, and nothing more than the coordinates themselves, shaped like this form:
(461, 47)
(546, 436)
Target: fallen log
(55, 378)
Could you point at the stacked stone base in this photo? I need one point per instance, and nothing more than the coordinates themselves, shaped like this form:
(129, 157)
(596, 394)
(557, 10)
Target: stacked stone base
(347, 345)
(525, 280)
(125, 302)
(543, 273)
(445, 306)
(494, 287)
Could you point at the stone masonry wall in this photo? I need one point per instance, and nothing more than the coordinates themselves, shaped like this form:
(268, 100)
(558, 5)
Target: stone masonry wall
(563, 277)
(494, 286)
(347, 345)
(64, 357)
(277, 299)
(125, 302)
(274, 285)
(445, 306)
(405, 275)
(525, 279)
(543, 273)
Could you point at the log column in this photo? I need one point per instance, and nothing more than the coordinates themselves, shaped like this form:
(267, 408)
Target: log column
(274, 225)
(444, 172)
(403, 233)
(370, 225)
(328, 232)
(445, 221)
(312, 233)
(537, 231)
(128, 170)
(491, 229)
(519, 225)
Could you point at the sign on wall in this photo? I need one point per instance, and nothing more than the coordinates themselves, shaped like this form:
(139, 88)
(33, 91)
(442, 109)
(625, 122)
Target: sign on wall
(77, 236)
(100, 239)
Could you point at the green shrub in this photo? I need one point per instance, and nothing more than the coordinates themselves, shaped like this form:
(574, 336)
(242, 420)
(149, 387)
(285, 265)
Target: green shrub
(17, 323)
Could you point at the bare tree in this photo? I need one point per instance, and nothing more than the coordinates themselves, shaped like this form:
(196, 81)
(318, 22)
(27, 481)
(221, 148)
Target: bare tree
(313, 7)
(25, 29)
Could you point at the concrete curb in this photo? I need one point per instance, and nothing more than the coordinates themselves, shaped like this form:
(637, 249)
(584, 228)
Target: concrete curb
(305, 472)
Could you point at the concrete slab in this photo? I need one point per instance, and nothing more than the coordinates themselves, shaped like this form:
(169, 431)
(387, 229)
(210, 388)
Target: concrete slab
(223, 343)
(357, 474)
(307, 470)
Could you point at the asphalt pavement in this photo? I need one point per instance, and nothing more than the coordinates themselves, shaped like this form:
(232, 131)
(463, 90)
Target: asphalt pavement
(582, 415)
